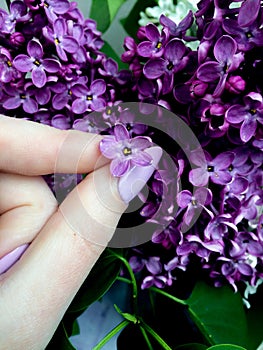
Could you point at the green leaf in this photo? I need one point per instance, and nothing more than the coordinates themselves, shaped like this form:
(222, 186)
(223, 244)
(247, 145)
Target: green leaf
(99, 281)
(75, 328)
(226, 347)
(104, 11)
(219, 314)
(126, 315)
(108, 50)
(130, 23)
(191, 346)
(60, 340)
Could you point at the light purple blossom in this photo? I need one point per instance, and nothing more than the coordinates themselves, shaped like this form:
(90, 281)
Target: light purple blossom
(125, 151)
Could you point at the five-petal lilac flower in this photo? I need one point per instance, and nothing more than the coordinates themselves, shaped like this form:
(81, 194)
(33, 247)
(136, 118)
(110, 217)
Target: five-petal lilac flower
(59, 36)
(125, 151)
(35, 63)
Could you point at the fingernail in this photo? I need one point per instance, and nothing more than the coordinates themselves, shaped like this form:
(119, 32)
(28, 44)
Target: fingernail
(11, 258)
(135, 179)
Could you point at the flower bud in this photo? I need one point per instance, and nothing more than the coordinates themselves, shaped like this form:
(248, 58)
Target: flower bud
(198, 88)
(17, 39)
(235, 84)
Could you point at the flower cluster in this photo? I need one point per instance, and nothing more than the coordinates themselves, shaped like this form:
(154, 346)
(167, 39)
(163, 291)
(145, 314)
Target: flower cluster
(217, 90)
(52, 69)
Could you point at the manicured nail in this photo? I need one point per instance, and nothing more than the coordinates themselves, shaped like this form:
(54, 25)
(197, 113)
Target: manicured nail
(11, 258)
(135, 179)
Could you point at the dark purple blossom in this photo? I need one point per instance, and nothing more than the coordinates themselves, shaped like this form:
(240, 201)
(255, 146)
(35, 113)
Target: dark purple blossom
(247, 116)
(200, 198)
(124, 150)
(18, 13)
(36, 64)
(174, 60)
(179, 30)
(227, 61)
(154, 46)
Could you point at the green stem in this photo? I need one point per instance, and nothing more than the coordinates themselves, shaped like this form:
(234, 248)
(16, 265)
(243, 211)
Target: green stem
(133, 281)
(114, 331)
(177, 300)
(155, 336)
(123, 279)
(146, 338)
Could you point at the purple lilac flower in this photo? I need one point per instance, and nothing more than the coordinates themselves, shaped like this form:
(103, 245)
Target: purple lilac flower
(17, 97)
(200, 198)
(154, 46)
(227, 61)
(18, 13)
(89, 98)
(7, 69)
(53, 8)
(216, 169)
(248, 115)
(35, 63)
(173, 62)
(124, 150)
(63, 42)
(179, 30)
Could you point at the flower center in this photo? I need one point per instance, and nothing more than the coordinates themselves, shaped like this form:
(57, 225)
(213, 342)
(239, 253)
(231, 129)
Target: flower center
(253, 111)
(170, 66)
(57, 42)
(37, 63)
(22, 96)
(159, 45)
(9, 63)
(46, 4)
(127, 151)
(210, 168)
(194, 202)
(89, 98)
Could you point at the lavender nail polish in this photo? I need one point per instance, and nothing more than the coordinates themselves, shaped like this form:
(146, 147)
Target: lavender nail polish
(135, 179)
(11, 258)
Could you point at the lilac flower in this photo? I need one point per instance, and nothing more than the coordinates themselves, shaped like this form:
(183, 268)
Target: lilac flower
(124, 150)
(58, 35)
(154, 46)
(219, 227)
(89, 98)
(248, 116)
(35, 63)
(173, 62)
(54, 8)
(216, 170)
(17, 97)
(191, 202)
(18, 13)
(131, 49)
(227, 61)
(180, 29)
(111, 69)
(7, 70)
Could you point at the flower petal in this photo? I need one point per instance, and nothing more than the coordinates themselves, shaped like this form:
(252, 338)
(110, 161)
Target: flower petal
(98, 87)
(248, 129)
(39, 77)
(70, 44)
(109, 147)
(34, 49)
(119, 167)
(142, 159)
(51, 65)
(121, 133)
(141, 142)
(154, 68)
(23, 63)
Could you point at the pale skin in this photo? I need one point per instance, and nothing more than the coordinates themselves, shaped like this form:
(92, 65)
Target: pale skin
(37, 290)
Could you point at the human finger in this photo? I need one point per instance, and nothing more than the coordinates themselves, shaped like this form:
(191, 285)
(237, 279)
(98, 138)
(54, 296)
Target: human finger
(30, 148)
(26, 202)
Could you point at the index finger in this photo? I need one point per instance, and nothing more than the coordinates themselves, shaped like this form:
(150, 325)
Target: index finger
(30, 148)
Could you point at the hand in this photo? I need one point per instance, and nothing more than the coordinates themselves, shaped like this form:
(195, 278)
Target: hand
(64, 240)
